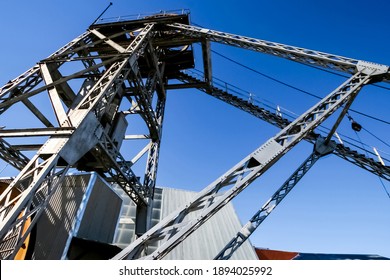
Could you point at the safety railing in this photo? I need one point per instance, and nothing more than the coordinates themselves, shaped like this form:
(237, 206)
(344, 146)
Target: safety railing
(143, 16)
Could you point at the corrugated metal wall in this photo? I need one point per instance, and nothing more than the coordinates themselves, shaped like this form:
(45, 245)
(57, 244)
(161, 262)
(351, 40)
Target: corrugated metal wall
(55, 224)
(126, 227)
(205, 243)
(101, 215)
(125, 233)
(83, 206)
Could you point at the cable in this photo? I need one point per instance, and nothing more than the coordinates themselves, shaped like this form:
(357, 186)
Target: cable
(358, 146)
(363, 147)
(292, 115)
(1, 171)
(318, 97)
(265, 75)
(354, 123)
(384, 187)
(371, 117)
(376, 137)
(338, 74)
(241, 92)
(312, 66)
(296, 88)
(244, 93)
(380, 179)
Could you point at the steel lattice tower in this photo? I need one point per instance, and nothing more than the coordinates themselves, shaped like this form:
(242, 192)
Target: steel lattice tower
(135, 62)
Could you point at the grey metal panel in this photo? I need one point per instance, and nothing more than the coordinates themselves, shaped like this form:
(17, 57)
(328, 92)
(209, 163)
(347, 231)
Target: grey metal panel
(125, 231)
(119, 130)
(101, 215)
(56, 223)
(156, 214)
(206, 242)
(84, 206)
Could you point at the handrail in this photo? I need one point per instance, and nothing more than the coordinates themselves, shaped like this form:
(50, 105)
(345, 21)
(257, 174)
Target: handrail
(143, 16)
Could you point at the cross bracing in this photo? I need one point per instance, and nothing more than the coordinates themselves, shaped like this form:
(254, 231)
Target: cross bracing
(135, 63)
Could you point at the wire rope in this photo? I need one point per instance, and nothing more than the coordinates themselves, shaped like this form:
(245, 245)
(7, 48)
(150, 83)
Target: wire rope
(296, 88)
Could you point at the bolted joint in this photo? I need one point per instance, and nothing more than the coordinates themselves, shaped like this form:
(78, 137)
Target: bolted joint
(322, 148)
(373, 69)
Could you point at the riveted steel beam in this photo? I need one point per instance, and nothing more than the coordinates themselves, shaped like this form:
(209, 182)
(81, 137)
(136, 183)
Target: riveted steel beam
(296, 54)
(255, 109)
(177, 226)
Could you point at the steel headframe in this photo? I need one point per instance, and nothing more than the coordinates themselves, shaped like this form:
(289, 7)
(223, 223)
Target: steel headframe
(119, 65)
(132, 62)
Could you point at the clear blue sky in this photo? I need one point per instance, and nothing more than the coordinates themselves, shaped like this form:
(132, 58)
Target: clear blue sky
(337, 207)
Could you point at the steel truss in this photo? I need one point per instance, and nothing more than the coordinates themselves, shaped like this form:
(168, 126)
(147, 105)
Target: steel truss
(296, 54)
(132, 62)
(255, 109)
(256, 220)
(177, 226)
(86, 136)
(321, 149)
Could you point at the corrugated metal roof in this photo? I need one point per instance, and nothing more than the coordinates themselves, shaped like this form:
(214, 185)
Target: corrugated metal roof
(267, 254)
(309, 256)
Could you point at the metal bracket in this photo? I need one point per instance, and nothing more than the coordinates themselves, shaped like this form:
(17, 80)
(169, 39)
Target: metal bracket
(371, 68)
(322, 148)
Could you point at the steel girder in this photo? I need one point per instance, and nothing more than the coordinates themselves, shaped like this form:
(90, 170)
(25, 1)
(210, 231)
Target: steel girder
(256, 110)
(321, 148)
(296, 54)
(24, 86)
(114, 58)
(84, 136)
(246, 231)
(20, 89)
(12, 156)
(177, 226)
(25, 199)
